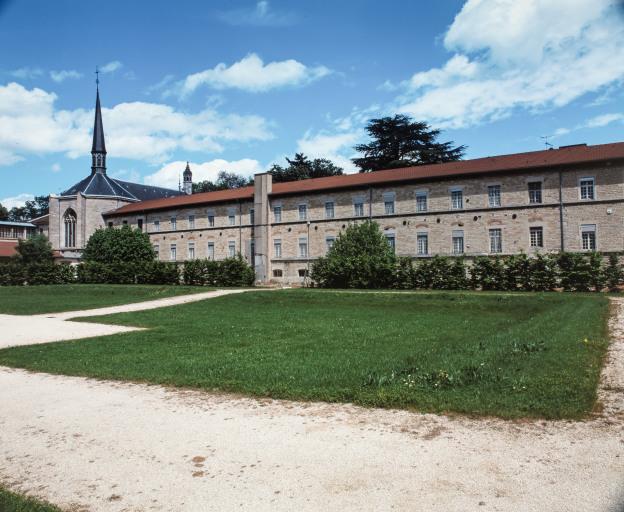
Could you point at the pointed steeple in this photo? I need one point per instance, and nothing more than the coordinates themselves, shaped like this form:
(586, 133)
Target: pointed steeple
(98, 149)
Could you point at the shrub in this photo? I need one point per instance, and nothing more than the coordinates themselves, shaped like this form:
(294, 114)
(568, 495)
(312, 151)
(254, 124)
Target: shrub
(151, 272)
(19, 274)
(613, 274)
(575, 272)
(487, 273)
(441, 273)
(360, 258)
(34, 250)
(516, 272)
(124, 245)
(227, 272)
(405, 277)
(543, 273)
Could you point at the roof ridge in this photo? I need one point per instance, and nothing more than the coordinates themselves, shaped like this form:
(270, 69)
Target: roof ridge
(124, 189)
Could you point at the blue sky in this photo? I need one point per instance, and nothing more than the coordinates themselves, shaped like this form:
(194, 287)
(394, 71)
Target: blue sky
(238, 85)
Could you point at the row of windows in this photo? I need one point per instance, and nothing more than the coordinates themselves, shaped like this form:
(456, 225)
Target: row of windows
(210, 250)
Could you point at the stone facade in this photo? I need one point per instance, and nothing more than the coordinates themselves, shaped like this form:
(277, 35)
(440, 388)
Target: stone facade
(491, 213)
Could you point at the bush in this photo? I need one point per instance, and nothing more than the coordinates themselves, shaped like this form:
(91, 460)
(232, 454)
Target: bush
(441, 273)
(36, 250)
(488, 273)
(543, 273)
(228, 272)
(613, 274)
(516, 272)
(575, 272)
(360, 258)
(151, 272)
(19, 274)
(125, 245)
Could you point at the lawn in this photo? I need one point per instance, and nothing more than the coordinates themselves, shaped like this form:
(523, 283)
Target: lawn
(30, 300)
(510, 355)
(11, 502)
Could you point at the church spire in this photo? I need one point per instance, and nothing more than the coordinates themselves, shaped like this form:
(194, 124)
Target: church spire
(98, 149)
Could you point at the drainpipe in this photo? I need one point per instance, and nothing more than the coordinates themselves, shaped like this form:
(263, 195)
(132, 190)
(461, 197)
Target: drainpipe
(370, 203)
(240, 227)
(561, 210)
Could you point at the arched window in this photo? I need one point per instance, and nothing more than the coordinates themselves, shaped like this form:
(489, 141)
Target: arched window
(69, 220)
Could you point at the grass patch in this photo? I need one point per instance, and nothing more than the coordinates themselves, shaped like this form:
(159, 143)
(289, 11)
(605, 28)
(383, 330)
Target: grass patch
(510, 355)
(30, 300)
(12, 502)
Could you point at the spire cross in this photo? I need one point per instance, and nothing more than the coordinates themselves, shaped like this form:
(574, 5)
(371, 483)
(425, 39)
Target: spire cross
(97, 76)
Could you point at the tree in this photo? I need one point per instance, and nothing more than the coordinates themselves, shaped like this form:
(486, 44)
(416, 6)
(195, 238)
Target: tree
(400, 142)
(36, 249)
(125, 245)
(302, 168)
(4, 213)
(360, 258)
(31, 210)
(225, 180)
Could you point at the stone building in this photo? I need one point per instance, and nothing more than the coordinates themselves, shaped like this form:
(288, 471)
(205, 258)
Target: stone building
(569, 198)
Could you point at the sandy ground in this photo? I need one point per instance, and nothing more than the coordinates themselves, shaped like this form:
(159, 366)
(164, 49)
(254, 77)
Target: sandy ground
(105, 446)
(30, 330)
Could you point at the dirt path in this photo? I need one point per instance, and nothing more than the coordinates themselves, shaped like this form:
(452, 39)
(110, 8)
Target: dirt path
(104, 446)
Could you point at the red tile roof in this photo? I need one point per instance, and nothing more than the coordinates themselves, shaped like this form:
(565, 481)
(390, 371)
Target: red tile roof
(7, 248)
(566, 155)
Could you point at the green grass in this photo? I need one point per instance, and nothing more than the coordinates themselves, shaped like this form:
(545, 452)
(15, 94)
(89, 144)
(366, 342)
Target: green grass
(12, 502)
(510, 355)
(30, 300)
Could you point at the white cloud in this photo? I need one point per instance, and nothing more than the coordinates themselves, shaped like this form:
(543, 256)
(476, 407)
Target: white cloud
(16, 201)
(261, 15)
(26, 73)
(507, 55)
(61, 76)
(168, 176)
(252, 74)
(56, 167)
(594, 122)
(337, 147)
(111, 67)
(30, 123)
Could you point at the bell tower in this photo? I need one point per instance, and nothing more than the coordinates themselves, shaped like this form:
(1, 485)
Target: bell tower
(187, 180)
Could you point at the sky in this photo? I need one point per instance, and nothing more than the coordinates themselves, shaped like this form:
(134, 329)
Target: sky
(239, 85)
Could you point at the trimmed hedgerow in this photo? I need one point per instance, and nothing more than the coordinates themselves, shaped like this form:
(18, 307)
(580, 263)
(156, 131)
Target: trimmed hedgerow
(149, 272)
(227, 272)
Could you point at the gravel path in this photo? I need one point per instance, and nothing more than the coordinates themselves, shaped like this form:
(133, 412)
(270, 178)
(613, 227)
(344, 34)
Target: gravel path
(104, 446)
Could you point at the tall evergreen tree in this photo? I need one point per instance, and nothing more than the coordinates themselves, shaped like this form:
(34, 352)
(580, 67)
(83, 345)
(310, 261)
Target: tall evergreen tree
(400, 142)
(302, 168)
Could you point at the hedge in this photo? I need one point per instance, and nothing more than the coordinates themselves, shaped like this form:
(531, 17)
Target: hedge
(227, 272)
(153, 272)
(18, 274)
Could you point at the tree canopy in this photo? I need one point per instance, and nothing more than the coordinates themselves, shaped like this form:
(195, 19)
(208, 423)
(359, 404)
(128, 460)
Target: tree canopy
(302, 168)
(4, 213)
(125, 245)
(36, 249)
(225, 180)
(31, 210)
(400, 142)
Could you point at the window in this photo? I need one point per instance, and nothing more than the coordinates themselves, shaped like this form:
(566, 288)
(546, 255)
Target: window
(329, 242)
(173, 252)
(303, 247)
(211, 220)
(231, 249)
(124, 222)
(329, 210)
(587, 188)
(536, 236)
(388, 198)
(391, 240)
(457, 199)
(140, 224)
(110, 225)
(174, 224)
(422, 245)
(277, 272)
(156, 248)
(252, 251)
(303, 212)
(358, 209)
(211, 250)
(458, 242)
(496, 240)
(252, 217)
(69, 219)
(535, 192)
(303, 272)
(277, 248)
(588, 237)
(421, 201)
(277, 214)
(191, 250)
(191, 221)
(156, 225)
(231, 218)
(494, 196)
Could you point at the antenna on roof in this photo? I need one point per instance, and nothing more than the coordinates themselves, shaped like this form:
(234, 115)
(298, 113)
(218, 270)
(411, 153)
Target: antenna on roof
(179, 184)
(545, 139)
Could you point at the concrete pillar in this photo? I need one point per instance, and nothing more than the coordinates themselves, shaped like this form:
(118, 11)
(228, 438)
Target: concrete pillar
(263, 184)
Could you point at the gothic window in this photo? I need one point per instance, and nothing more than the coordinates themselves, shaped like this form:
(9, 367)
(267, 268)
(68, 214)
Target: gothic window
(69, 220)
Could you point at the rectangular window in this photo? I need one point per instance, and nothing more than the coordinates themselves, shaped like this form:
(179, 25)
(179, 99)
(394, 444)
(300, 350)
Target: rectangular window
(389, 207)
(303, 272)
(277, 272)
(211, 221)
(535, 192)
(458, 242)
(303, 212)
(174, 224)
(329, 242)
(496, 240)
(231, 219)
(358, 209)
(391, 241)
(303, 247)
(231, 249)
(140, 224)
(252, 251)
(329, 210)
(422, 245)
(588, 237)
(536, 235)
(457, 199)
(494, 196)
(191, 221)
(173, 252)
(210, 250)
(252, 217)
(191, 250)
(277, 214)
(156, 225)
(421, 201)
(587, 188)
(156, 248)
(277, 248)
